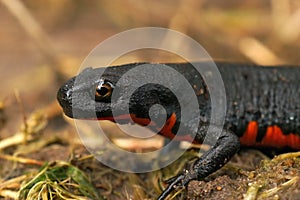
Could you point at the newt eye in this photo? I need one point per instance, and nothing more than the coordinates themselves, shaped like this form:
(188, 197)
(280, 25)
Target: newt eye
(103, 91)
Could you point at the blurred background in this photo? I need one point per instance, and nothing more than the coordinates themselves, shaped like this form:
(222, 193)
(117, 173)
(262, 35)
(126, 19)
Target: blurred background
(42, 43)
(40, 39)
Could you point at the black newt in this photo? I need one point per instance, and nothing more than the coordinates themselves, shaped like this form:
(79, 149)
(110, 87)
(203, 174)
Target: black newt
(263, 109)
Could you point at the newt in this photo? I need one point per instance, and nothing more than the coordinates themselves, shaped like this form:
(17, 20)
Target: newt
(263, 109)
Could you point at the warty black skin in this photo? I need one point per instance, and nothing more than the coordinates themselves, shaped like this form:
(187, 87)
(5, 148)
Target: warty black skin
(268, 95)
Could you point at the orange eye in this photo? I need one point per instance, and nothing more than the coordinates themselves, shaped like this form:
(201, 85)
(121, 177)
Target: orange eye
(103, 91)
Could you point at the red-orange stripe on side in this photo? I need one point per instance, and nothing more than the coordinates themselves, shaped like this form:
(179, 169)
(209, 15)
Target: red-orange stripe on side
(142, 121)
(167, 130)
(249, 137)
(129, 117)
(274, 137)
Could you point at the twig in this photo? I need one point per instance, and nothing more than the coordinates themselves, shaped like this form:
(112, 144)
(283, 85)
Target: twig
(21, 160)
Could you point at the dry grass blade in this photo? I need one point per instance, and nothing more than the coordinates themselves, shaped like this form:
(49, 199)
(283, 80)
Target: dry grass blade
(252, 191)
(35, 123)
(21, 160)
(287, 155)
(8, 194)
(258, 52)
(273, 191)
(8, 187)
(13, 181)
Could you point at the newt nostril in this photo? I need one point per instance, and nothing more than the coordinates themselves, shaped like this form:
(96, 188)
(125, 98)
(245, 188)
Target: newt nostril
(68, 94)
(64, 96)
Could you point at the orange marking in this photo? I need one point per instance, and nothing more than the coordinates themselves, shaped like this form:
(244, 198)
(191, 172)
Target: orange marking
(249, 137)
(167, 130)
(274, 137)
(142, 121)
(130, 117)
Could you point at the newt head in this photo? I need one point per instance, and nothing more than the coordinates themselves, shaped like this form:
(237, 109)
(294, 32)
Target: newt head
(99, 94)
(88, 95)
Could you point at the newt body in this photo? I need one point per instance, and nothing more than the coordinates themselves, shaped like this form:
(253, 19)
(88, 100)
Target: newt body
(263, 109)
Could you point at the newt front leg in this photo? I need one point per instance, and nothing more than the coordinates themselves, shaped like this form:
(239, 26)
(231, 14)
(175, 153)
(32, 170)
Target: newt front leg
(227, 145)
